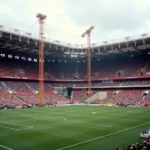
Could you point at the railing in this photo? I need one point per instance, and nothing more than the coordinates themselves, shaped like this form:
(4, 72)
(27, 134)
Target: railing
(78, 80)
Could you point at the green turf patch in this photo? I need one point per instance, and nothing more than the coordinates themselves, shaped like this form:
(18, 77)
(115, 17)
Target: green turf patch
(13, 126)
(72, 128)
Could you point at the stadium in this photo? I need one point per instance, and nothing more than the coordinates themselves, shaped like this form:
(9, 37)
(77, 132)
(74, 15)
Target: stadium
(84, 97)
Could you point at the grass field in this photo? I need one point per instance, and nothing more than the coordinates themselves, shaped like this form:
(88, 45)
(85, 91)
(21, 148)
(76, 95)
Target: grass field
(72, 128)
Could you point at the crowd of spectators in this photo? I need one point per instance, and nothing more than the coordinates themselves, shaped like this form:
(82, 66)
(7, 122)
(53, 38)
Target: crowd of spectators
(145, 101)
(136, 82)
(52, 97)
(122, 83)
(18, 93)
(104, 83)
(21, 93)
(100, 69)
(126, 97)
(79, 96)
(58, 70)
(145, 145)
(82, 96)
(68, 84)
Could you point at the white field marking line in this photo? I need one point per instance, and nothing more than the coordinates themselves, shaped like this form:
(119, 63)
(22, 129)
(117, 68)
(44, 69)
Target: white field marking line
(5, 147)
(9, 128)
(101, 137)
(5, 122)
(61, 118)
(56, 118)
(34, 116)
(49, 118)
(14, 128)
(25, 127)
(102, 125)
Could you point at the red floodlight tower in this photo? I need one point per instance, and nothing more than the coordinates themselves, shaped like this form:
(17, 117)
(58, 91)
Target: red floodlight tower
(41, 19)
(88, 33)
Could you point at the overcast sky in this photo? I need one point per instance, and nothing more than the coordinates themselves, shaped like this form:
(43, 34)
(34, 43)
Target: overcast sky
(68, 19)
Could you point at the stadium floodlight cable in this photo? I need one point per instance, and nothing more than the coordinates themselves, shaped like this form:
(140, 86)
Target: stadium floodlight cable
(77, 40)
(32, 26)
(50, 30)
(97, 44)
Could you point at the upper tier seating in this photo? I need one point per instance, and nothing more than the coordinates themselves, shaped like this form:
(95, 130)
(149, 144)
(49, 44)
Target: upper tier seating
(102, 69)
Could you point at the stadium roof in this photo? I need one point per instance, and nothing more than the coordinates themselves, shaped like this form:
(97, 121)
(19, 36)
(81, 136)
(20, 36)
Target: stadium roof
(13, 41)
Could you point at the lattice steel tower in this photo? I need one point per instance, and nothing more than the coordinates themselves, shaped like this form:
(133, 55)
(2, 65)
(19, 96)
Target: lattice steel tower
(41, 19)
(88, 33)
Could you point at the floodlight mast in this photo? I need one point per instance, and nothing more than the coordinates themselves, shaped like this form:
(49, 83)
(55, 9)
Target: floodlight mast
(41, 19)
(88, 33)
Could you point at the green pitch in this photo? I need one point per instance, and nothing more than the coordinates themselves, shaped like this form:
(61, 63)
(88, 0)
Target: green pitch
(72, 128)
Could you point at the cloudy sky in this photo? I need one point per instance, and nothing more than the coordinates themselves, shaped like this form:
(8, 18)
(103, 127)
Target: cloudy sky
(68, 19)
